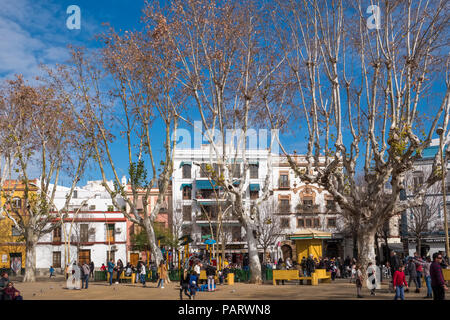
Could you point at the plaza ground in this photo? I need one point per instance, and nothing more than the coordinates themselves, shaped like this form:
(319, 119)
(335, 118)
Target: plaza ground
(341, 289)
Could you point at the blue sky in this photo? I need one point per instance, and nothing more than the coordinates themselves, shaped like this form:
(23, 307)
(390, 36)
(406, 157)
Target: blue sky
(34, 32)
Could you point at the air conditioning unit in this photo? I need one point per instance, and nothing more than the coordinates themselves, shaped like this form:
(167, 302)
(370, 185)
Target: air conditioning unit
(91, 231)
(113, 248)
(118, 230)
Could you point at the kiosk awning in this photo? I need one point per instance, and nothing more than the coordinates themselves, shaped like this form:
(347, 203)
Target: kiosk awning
(310, 234)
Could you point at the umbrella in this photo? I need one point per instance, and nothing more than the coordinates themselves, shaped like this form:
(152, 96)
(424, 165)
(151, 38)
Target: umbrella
(210, 241)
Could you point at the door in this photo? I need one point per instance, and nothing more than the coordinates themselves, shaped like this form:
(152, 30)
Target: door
(134, 258)
(84, 256)
(15, 262)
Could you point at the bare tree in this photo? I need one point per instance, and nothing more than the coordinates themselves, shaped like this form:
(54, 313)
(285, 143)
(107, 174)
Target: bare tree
(268, 225)
(363, 89)
(42, 140)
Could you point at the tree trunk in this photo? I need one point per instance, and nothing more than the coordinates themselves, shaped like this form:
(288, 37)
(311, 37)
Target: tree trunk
(156, 251)
(254, 263)
(355, 244)
(366, 248)
(30, 260)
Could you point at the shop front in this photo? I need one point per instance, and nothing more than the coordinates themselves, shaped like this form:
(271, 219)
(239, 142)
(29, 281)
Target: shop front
(309, 241)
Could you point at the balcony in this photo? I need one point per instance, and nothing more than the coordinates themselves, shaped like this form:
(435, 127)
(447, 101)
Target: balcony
(284, 184)
(307, 207)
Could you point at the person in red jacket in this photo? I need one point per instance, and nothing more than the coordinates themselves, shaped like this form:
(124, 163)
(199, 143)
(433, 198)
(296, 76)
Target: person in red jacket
(12, 293)
(398, 281)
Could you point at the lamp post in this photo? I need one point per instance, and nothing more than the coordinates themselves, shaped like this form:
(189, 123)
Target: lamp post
(440, 132)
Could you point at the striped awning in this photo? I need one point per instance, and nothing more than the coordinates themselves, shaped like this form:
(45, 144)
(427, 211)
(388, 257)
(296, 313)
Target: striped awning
(186, 185)
(206, 184)
(254, 187)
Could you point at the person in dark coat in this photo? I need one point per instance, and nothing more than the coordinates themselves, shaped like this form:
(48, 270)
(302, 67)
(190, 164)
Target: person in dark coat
(119, 267)
(437, 278)
(91, 269)
(310, 265)
(184, 284)
(412, 275)
(4, 281)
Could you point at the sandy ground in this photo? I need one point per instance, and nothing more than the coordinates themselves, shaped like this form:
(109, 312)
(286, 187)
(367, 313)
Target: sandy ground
(340, 289)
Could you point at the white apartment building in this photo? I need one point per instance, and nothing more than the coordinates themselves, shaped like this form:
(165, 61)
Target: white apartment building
(433, 234)
(97, 228)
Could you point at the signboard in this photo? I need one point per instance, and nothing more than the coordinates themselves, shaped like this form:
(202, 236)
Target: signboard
(4, 258)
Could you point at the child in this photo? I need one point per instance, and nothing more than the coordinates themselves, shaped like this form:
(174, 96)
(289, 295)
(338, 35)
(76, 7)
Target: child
(358, 280)
(399, 281)
(52, 270)
(193, 284)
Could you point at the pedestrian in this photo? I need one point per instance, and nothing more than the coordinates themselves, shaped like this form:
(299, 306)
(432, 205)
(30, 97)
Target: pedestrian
(412, 275)
(66, 272)
(184, 284)
(91, 269)
(310, 266)
(437, 278)
(193, 284)
(85, 274)
(128, 270)
(303, 265)
(162, 273)
(142, 272)
(210, 273)
(11, 293)
(358, 280)
(52, 271)
(119, 269)
(197, 268)
(353, 273)
(111, 268)
(399, 280)
(372, 278)
(426, 274)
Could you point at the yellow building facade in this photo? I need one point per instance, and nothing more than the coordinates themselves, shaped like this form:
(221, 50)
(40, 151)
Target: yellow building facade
(12, 244)
(309, 241)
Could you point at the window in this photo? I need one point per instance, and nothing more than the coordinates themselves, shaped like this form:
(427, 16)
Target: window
(57, 235)
(16, 203)
(308, 201)
(417, 179)
(330, 204)
(284, 181)
(236, 233)
(331, 222)
(56, 259)
(15, 232)
(92, 207)
(254, 171)
(308, 223)
(187, 213)
(285, 206)
(236, 170)
(254, 195)
(316, 223)
(75, 194)
(187, 193)
(110, 232)
(186, 229)
(110, 208)
(284, 223)
(84, 232)
(203, 170)
(186, 171)
(300, 223)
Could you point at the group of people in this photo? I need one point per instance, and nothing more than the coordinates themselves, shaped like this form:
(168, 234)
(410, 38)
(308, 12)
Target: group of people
(7, 290)
(307, 265)
(189, 279)
(415, 267)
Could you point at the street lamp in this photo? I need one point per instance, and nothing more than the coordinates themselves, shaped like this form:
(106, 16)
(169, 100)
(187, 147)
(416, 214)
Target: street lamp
(440, 132)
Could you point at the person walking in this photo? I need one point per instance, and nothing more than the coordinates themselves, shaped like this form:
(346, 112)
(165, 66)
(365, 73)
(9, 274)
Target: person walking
(111, 267)
(184, 284)
(91, 269)
(85, 274)
(210, 273)
(4, 281)
(303, 265)
(142, 272)
(310, 265)
(426, 273)
(412, 275)
(162, 273)
(437, 278)
(358, 280)
(399, 280)
(52, 271)
(193, 284)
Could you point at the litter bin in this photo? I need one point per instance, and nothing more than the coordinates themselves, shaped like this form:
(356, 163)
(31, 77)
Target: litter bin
(230, 279)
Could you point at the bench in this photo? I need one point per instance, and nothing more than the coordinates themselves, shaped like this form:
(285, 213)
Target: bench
(122, 276)
(204, 277)
(318, 274)
(446, 274)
